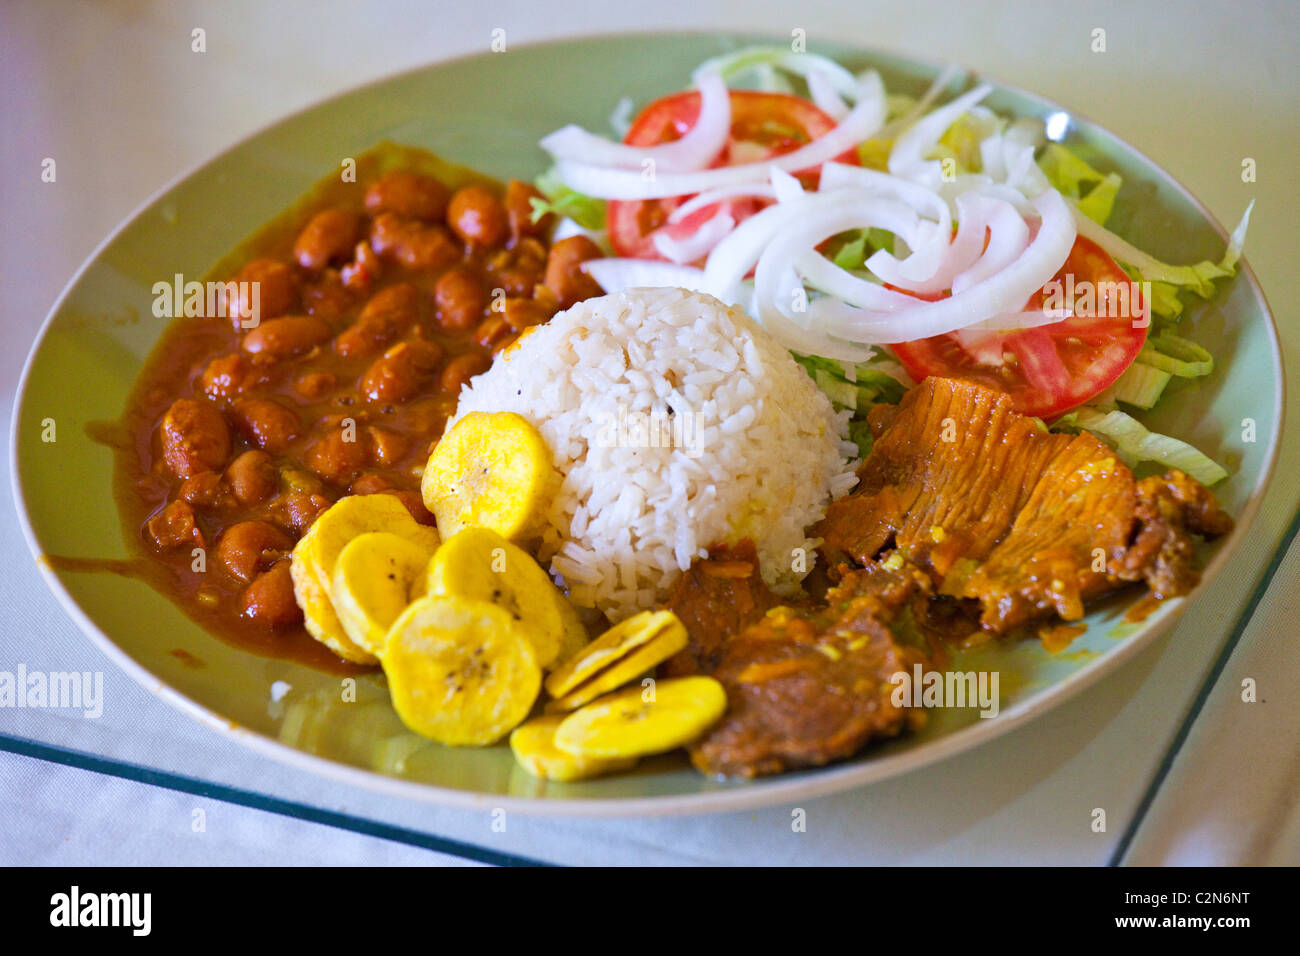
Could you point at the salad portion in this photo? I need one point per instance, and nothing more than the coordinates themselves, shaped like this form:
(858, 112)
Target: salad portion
(884, 240)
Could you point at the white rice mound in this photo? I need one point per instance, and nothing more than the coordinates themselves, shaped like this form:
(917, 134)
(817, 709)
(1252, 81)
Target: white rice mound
(761, 455)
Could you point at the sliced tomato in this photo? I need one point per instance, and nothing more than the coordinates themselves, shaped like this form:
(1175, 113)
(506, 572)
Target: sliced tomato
(1053, 368)
(762, 125)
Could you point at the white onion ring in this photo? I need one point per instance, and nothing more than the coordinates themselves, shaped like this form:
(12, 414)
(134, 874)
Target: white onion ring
(697, 245)
(604, 182)
(1007, 291)
(907, 157)
(1007, 241)
(824, 95)
(693, 151)
(696, 203)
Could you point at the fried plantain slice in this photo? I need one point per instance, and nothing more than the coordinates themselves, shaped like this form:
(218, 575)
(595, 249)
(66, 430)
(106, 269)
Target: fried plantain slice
(534, 747)
(627, 724)
(460, 671)
(575, 636)
(318, 609)
(314, 557)
(492, 470)
(373, 581)
(616, 643)
(664, 645)
(480, 564)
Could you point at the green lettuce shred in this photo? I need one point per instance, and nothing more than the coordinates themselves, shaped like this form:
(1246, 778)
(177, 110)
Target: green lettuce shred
(586, 211)
(1134, 443)
(1093, 192)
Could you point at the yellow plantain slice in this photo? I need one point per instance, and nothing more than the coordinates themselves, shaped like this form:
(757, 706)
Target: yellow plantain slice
(478, 563)
(460, 672)
(616, 643)
(358, 514)
(626, 725)
(534, 746)
(575, 632)
(318, 610)
(663, 646)
(312, 567)
(492, 470)
(372, 584)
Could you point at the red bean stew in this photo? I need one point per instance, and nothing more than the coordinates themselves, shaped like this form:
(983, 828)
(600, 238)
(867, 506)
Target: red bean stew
(379, 300)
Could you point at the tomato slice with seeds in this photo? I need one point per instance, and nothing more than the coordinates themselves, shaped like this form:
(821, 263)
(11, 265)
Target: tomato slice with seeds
(1050, 369)
(763, 125)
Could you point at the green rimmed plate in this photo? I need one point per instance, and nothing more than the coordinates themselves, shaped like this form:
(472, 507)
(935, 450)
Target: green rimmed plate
(487, 112)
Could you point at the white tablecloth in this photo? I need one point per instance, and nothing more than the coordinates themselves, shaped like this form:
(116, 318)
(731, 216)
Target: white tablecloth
(115, 94)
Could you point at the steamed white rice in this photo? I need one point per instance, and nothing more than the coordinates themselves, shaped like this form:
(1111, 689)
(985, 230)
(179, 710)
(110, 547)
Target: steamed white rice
(750, 449)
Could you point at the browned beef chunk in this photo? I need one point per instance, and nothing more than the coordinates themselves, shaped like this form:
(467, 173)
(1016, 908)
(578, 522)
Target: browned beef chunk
(1026, 522)
(717, 599)
(807, 687)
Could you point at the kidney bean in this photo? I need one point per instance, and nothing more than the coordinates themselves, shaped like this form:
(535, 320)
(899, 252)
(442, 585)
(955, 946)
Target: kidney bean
(269, 599)
(478, 216)
(286, 336)
(524, 313)
(327, 297)
(564, 275)
(410, 195)
(195, 437)
(327, 237)
(246, 547)
(174, 526)
(387, 447)
(205, 490)
(360, 274)
(277, 291)
(491, 331)
(369, 485)
(397, 374)
(336, 460)
(414, 244)
(266, 422)
(461, 369)
(519, 211)
(252, 477)
(314, 385)
(300, 509)
(384, 318)
(225, 377)
(461, 299)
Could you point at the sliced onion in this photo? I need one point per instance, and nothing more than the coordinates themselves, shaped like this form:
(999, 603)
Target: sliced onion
(961, 254)
(800, 64)
(1007, 291)
(605, 182)
(907, 158)
(694, 151)
(941, 82)
(824, 95)
(785, 187)
(615, 275)
(777, 283)
(825, 276)
(695, 246)
(735, 255)
(928, 244)
(1007, 240)
(1012, 321)
(696, 203)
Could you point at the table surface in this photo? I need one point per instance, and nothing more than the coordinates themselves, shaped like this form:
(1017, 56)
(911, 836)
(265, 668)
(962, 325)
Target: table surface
(1186, 771)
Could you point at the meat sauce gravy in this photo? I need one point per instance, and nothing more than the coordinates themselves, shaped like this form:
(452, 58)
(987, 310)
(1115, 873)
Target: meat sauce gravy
(379, 299)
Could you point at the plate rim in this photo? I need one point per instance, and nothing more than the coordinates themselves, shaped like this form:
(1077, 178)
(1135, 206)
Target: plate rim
(812, 783)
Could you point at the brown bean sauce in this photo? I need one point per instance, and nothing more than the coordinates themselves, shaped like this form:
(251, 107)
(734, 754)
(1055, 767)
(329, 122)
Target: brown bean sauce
(234, 440)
